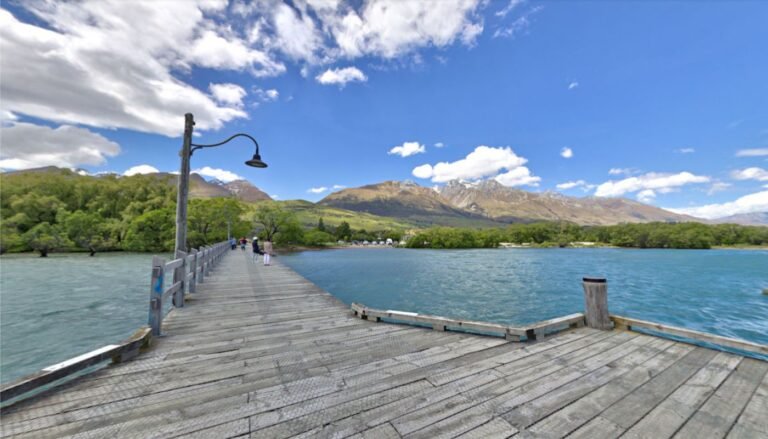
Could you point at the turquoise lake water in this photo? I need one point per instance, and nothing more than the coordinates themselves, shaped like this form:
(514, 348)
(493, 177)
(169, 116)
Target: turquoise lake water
(52, 309)
(715, 291)
(55, 308)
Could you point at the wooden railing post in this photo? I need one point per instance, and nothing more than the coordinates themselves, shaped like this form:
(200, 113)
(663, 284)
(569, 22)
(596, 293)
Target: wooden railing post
(193, 271)
(180, 275)
(156, 287)
(596, 303)
(207, 260)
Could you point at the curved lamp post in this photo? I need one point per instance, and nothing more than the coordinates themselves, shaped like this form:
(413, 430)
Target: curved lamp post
(183, 193)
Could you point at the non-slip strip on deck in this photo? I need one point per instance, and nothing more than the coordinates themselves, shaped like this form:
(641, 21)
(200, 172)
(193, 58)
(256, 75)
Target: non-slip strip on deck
(262, 352)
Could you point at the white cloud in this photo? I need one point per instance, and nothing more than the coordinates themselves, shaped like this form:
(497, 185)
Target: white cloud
(685, 150)
(423, 171)
(109, 64)
(341, 76)
(757, 202)
(574, 184)
(484, 161)
(518, 26)
(646, 195)
(509, 8)
(408, 149)
(274, 197)
(718, 186)
(230, 94)
(439, 145)
(26, 145)
(140, 169)
(317, 190)
(338, 186)
(573, 85)
(219, 174)
(624, 171)
(520, 176)
(756, 152)
(656, 181)
(566, 153)
(754, 173)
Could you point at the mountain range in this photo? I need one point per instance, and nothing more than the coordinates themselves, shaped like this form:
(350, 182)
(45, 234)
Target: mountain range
(457, 203)
(489, 202)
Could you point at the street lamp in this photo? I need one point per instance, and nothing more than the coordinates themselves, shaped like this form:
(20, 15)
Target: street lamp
(187, 150)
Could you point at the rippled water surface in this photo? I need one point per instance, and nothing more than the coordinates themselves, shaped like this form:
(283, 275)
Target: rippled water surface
(716, 291)
(55, 308)
(52, 309)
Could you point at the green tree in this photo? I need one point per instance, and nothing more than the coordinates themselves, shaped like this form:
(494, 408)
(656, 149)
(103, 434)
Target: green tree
(343, 231)
(277, 224)
(320, 225)
(87, 230)
(45, 238)
(317, 238)
(153, 231)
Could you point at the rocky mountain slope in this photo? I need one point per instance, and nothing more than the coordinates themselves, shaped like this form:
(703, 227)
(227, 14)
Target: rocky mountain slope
(405, 200)
(490, 202)
(745, 219)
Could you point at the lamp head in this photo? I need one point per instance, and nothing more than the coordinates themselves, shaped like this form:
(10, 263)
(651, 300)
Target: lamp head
(256, 162)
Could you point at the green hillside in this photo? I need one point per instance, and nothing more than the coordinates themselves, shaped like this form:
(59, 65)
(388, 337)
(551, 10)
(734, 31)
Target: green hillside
(309, 213)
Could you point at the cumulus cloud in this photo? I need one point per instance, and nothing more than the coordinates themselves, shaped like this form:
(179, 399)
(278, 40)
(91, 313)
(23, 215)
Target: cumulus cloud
(230, 94)
(575, 184)
(484, 161)
(317, 190)
(566, 153)
(408, 149)
(219, 174)
(685, 150)
(439, 145)
(646, 195)
(26, 145)
(659, 182)
(754, 173)
(757, 202)
(140, 169)
(109, 63)
(573, 85)
(338, 186)
(341, 76)
(755, 152)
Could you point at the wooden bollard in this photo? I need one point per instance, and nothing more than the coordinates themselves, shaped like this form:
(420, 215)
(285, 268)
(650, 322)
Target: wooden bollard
(596, 303)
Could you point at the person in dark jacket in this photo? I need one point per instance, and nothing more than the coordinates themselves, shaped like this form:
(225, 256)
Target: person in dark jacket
(256, 251)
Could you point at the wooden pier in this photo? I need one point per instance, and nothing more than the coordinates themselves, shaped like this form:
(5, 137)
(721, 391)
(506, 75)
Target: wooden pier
(262, 352)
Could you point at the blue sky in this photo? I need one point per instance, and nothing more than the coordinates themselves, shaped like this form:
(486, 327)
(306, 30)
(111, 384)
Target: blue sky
(659, 102)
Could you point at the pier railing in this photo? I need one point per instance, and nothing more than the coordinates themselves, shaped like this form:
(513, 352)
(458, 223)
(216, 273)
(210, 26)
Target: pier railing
(187, 270)
(595, 315)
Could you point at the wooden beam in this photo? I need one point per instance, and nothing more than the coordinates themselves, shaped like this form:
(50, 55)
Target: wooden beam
(630, 324)
(119, 352)
(531, 332)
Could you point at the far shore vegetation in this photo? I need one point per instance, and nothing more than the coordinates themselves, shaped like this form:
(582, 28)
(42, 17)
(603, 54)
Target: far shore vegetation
(64, 212)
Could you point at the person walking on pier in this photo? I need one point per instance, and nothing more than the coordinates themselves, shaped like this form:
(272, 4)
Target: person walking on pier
(256, 251)
(243, 243)
(267, 252)
(233, 242)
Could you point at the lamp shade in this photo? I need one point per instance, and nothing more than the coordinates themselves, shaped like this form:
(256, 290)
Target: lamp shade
(256, 162)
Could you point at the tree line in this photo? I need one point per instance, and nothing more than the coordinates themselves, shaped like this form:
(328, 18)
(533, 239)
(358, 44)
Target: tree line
(60, 210)
(562, 234)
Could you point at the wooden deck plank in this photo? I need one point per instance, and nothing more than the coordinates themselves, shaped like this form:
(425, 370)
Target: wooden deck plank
(715, 418)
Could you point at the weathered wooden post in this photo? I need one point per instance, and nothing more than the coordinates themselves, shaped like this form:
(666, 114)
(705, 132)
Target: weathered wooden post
(596, 303)
(208, 253)
(193, 271)
(156, 287)
(180, 275)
